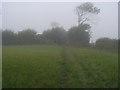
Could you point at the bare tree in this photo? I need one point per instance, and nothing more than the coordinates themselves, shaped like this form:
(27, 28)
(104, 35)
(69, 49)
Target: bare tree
(85, 11)
(54, 24)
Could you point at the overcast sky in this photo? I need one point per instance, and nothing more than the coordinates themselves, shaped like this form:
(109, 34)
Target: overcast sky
(21, 15)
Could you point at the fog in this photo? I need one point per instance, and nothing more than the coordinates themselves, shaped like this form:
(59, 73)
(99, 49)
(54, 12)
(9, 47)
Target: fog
(38, 16)
(119, 19)
(65, 58)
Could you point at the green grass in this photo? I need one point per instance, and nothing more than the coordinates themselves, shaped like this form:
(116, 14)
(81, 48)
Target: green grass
(0, 66)
(55, 67)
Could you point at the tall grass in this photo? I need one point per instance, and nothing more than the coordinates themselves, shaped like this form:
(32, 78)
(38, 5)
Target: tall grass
(45, 67)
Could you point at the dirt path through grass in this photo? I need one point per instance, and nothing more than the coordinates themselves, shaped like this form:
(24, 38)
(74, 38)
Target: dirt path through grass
(87, 68)
(64, 72)
(58, 67)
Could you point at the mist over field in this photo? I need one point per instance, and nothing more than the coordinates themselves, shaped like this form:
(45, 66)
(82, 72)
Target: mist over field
(39, 16)
(59, 44)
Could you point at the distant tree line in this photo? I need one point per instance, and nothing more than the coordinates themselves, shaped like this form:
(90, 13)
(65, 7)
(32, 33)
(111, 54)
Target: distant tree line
(76, 36)
(107, 44)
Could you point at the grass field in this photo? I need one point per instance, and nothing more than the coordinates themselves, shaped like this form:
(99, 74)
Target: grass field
(58, 67)
(0, 67)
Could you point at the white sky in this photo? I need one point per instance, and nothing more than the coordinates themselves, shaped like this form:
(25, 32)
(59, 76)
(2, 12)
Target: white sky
(20, 15)
(60, 0)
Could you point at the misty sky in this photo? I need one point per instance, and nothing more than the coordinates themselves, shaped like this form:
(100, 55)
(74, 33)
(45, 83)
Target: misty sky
(21, 15)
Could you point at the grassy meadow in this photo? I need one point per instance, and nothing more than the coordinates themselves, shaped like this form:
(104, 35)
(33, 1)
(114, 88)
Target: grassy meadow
(0, 66)
(58, 67)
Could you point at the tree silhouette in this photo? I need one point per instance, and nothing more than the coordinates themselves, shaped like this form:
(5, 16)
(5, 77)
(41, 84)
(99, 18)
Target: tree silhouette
(85, 11)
